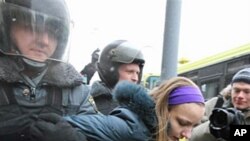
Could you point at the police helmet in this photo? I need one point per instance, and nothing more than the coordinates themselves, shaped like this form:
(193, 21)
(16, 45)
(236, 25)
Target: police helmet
(49, 15)
(113, 55)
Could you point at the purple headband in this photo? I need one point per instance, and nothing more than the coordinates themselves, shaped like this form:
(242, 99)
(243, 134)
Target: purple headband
(185, 94)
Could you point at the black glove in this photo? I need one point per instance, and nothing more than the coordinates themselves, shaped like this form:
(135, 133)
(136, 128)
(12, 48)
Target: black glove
(221, 119)
(95, 56)
(52, 127)
(89, 70)
(17, 124)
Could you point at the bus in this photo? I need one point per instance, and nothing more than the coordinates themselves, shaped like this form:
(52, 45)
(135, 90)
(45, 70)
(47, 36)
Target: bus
(150, 80)
(211, 73)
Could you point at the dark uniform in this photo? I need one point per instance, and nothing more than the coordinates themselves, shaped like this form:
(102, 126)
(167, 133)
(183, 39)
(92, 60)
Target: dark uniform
(29, 88)
(113, 55)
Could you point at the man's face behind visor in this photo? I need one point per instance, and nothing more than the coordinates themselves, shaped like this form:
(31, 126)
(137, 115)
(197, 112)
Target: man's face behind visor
(34, 35)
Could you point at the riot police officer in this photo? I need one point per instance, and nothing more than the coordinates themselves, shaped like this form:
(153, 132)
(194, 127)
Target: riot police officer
(35, 78)
(119, 60)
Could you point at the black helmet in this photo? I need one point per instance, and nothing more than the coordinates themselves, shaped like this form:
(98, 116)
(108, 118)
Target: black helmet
(113, 55)
(52, 15)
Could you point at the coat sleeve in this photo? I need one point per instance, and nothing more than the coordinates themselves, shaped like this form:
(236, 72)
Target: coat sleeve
(83, 100)
(123, 125)
(202, 133)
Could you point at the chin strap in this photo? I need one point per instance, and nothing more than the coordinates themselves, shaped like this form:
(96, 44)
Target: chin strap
(33, 68)
(34, 63)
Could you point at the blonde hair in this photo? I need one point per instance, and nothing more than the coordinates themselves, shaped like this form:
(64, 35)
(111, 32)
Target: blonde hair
(160, 96)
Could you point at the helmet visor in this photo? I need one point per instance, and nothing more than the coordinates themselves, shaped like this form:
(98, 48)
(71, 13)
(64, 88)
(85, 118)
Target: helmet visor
(33, 35)
(126, 53)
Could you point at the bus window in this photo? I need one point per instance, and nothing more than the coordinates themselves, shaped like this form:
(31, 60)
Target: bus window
(210, 89)
(152, 81)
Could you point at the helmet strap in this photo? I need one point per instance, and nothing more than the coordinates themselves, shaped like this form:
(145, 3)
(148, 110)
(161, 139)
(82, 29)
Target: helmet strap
(33, 68)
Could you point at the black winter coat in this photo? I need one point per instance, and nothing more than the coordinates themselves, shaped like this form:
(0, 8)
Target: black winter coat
(103, 97)
(59, 91)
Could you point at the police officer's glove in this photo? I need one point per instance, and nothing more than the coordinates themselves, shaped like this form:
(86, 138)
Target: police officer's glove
(16, 124)
(89, 70)
(95, 56)
(52, 127)
(221, 119)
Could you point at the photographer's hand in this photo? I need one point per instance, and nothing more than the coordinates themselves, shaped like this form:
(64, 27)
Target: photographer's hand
(221, 119)
(239, 118)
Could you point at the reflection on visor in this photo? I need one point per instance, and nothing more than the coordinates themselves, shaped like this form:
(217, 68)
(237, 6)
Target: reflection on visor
(37, 22)
(126, 53)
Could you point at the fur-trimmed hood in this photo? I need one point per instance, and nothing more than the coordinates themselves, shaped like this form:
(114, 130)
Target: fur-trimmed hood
(135, 98)
(58, 73)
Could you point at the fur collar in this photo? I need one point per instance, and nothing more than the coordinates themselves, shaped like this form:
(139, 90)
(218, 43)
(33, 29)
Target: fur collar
(59, 74)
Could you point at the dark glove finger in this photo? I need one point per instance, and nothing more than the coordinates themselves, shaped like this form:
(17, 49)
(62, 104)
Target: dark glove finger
(96, 51)
(35, 133)
(50, 117)
(43, 126)
(62, 131)
(15, 124)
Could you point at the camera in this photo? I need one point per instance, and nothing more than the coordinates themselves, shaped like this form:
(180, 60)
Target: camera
(222, 118)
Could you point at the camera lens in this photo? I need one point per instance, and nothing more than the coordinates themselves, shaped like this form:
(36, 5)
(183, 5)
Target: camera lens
(221, 118)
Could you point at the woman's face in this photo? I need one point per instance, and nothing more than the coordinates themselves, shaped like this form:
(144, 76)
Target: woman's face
(182, 119)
